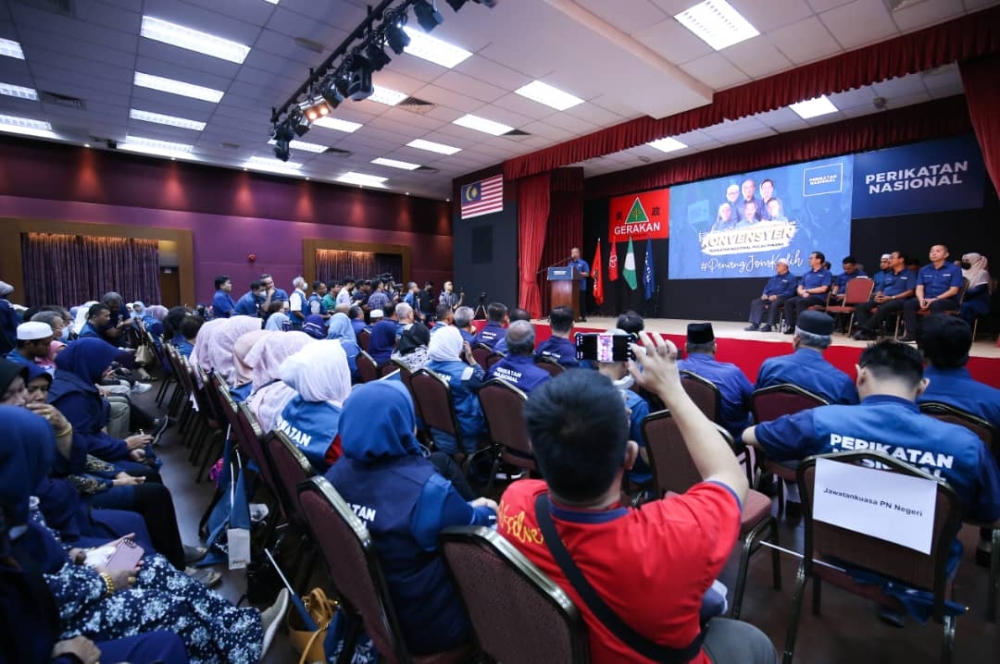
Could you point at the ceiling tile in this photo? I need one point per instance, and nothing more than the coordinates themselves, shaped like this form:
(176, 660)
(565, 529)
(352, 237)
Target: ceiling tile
(234, 28)
(525, 107)
(468, 86)
(628, 17)
(767, 16)
(491, 72)
(805, 41)
(860, 22)
(673, 41)
(457, 101)
(757, 57)
(862, 96)
(926, 13)
(715, 71)
(819, 6)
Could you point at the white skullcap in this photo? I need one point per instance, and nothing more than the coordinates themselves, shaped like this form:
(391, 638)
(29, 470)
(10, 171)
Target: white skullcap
(33, 331)
(376, 313)
(886, 257)
(785, 262)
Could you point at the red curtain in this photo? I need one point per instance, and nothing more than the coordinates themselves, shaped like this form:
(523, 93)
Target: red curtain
(981, 80)
(565, 229)
(966, 37)
(944, 117)
(533, 200)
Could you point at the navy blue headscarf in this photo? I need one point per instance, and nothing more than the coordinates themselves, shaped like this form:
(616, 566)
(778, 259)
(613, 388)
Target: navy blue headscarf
(87, 359)
(378, 423)
(26, 450)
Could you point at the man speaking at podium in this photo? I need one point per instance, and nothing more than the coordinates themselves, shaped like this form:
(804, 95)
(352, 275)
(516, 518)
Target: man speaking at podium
(583, 268)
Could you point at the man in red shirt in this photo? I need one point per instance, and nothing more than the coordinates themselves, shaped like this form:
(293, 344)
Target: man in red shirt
(650, 567)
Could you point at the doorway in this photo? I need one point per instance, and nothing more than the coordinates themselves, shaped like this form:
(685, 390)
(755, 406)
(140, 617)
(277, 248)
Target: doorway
(170, 287)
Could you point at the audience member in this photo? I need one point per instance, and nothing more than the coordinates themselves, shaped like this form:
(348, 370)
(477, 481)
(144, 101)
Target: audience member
(330, 298)
(897, 287)
(344, 296)
(33, 342)
(451, 359)
(411, 295)
(518, 366)
(806, 367)
(779, 288)
(516, 314)
(340, 328)
(357, 317)
(810, 292)
(379, 299)
(493, 331)
(9, 318)
(249, 302)
(55, 320)
(463, 321)
(269, 395)
(278, 319)
(444, 317)
(412, 347)
(206, 333)
(449, 297)
(426, 301)
(976, 302)
(734, 388)
(558, 347)
(242, 382)
(297, 303)
(580, 436)
(222, 301)
(219, 354)
(404, 318)
(97, 319)
(383, 339)
(631, 322)
(638, 408)
(315, 306)
(190, 327)
(314, 326)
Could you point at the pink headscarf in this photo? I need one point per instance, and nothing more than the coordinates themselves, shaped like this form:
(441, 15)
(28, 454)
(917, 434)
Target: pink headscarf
(220, 353)
(270, 395)
(244, 372)
(199, 356)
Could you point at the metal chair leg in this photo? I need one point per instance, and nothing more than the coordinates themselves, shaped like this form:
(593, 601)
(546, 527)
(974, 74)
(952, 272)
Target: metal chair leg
(991, 591)
(775, 555)
(817, 595)
(948, 647)
(793, 627)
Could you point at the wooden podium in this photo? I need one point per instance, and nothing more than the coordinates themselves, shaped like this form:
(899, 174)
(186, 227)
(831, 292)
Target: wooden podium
(564, 288)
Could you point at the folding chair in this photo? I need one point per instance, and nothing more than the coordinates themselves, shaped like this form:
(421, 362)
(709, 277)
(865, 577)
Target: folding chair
(858, 291)
(355, 571)
(503, 410)
(291, 468)
(364, 338)
(433, 400)
(826, 303)
(828, 543)
(480, 352)
(921, 313)
(493, 358)
(704, 393)
(532, 621)
(550, 365)
(367, 367)
(674, 472)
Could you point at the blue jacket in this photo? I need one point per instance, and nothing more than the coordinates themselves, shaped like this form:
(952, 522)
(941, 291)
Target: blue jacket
(9, 320)
(313, 428)
(842, 279)
(464, 382)
(90, 331)
(897, 284)
(782, 285)
(222, 304)
(896, 427)
(559, 349)
(938, 280)
(879, 279)
(815, 279)
(247, 305)
(580, 265)
(358, 324)
(490, 334)
(641, 473)
(520, 371)
(957, 388)
(382, 341)
(735, 389)
(809, 370)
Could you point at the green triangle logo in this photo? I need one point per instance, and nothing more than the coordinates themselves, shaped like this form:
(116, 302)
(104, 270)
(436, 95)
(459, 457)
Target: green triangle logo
(636, 215)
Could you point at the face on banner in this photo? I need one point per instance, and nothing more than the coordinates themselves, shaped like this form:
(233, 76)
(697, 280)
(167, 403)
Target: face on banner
(740, 225)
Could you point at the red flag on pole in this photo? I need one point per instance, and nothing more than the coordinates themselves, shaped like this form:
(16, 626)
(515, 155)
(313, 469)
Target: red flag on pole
(597, 276)
(613, 263)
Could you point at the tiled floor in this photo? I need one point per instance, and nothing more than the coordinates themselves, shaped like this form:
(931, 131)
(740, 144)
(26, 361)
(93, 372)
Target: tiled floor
(847, 631)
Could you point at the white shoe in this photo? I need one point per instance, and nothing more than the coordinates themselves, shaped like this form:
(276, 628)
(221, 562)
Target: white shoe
(258, 512)
(270, 620)
(141, 388)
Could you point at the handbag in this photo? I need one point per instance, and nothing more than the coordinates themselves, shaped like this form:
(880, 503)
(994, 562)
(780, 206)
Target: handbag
(144, 355)
(307, 642)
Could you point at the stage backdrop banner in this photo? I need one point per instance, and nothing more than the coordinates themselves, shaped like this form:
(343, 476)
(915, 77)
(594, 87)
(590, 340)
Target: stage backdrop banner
(933, 176)
(640, 216)
(740, 225)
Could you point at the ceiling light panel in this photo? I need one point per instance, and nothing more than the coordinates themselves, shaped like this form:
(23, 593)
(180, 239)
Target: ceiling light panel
(482, 124)
(177, 87)
(331, 122)
(812, 108)
(156, 148)
(18, 91)
(387, 96)
(362, 179)
(11, 49)
(26, 126)
(193, 40)
(434, 50)
(548, 95)
(169, 120)
(717, 24)
(395, 163)
(431, 146)
(304, 146)
(667, 145)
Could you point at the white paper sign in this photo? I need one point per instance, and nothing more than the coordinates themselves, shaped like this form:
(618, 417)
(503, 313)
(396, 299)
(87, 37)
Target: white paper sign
(238, 541)
(889, 506)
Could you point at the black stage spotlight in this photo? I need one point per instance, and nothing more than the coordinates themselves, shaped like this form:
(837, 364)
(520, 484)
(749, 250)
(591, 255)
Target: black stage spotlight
(375, 53)
(395, 37)
(456, 4)
(427, 15)
(316, 109)
(329, 89)
(281, 150)
(283, 131)
(360, 86)
(297, 122)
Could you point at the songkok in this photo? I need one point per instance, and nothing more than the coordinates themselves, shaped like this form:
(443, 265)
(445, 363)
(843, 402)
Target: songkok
(33, 331)
(815, 322)
(376, 313)
(700, 333)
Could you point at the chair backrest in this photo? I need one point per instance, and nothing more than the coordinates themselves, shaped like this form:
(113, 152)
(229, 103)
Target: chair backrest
(493, 358)
(671, 463)
(703, 393)
(503, 409)
(770, 403)
(480, 352)
(367, 367)
(550, 365)
(225, 402)
(977, 425)
(364, 338)
(436, 405)
(352, 565)
(204, 397)
(387, 369)
(824, 541)
(531, 621)
(252, 442)
(291, 468)
(965, 288)
(858, 291)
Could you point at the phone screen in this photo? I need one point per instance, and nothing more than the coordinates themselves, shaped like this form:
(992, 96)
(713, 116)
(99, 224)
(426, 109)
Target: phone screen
(603, 347)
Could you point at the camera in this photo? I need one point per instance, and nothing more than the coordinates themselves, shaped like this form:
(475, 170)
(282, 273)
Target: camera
(482, 298)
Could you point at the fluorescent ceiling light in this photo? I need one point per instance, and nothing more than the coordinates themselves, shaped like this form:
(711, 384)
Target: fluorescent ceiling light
(302, 145)
(387, 96)
(667, 145)
(156, 147)
(177, 87)
(434, 50)
(431, 146)
(193, 40)
(717, 24)
(811, 108)
(26, 126)
(394, 163)
(18, 91)
(483, 125)
(362, 179)
(11, 49)
(273, 165)
(169, 120)
(331, 122)
(273, 2)
(548, 95)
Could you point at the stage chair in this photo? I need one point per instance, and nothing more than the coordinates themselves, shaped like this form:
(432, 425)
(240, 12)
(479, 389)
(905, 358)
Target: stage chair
(493, 358)
(770, 403)
(432, 397)
(825, 305)
(858, 291)
(674, 473)
(354, 569)
(825, 542)
(532, 621)
(988, 434)
(480, 352)
(927, 312)
(550, 365)
(704, 393)
(367, 367)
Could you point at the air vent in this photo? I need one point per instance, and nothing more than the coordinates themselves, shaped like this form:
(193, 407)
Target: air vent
(415, 105)
(337, 152)
(516, 133)
(309, 44)
(63, 7)
(231, 146)
(427, 169)
(61, 100)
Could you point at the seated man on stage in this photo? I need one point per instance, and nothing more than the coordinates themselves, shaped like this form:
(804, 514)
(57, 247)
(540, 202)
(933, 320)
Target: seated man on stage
(518, 367)
(811, 292)
(806, 367)
(734, 387)
(494, 329)
(559, 347)
(938, 287)
(850, 273)
(897, 287)
(779, 288)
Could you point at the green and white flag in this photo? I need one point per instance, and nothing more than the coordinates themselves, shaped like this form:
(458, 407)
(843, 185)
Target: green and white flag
(629, 273)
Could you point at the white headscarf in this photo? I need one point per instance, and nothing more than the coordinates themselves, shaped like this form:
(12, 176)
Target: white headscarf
(243, 373)
(203, 342)
(270, 395)
(446, 345)
(81, 315)
(977, 273)
(267, 403)
(219, 355)
(319, 372)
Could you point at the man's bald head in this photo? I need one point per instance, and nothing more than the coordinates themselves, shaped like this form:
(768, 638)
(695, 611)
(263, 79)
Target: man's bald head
(521, 338)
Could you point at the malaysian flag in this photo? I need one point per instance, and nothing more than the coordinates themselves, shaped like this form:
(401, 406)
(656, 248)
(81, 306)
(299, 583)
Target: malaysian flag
(483, 197)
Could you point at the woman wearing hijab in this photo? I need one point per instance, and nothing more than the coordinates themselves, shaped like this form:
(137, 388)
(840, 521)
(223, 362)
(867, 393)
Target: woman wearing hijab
(314, 326)
(242, 383)
(218, 355)
(270, 395)
(976, 303)
(95, 602)
(201, 353)
(318, 373)
(9, 319)
(412, 348)
(277, 317)
(342, 330)
(152, 319)
(384, 472)
(451, 359)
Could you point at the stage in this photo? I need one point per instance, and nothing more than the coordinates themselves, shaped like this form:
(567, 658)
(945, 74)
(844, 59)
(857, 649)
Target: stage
(749, 349)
